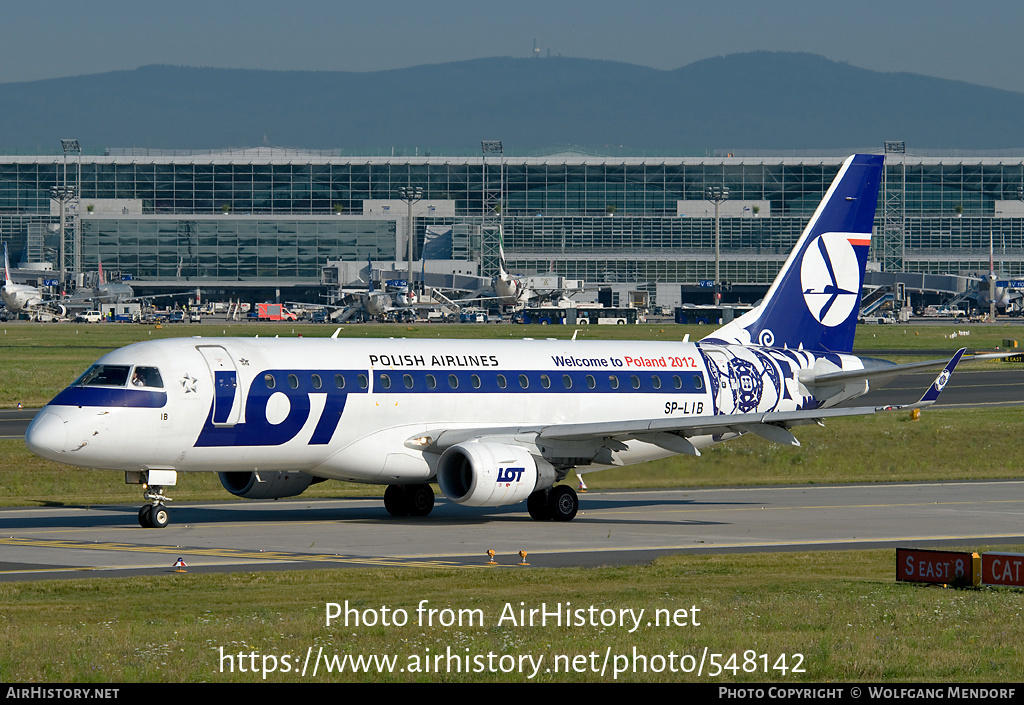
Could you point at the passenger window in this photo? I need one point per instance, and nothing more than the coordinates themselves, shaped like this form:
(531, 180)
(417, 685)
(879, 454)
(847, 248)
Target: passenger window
(656, 381)
(453, 381)
(613, 381)
(317, 382)
(407, 379)
(677, 382)
(431, 382)
(698, 382)
(385, 381)
(635, 381)
(524, 382)
(545, 381)
(567, 381)
(363, 382)
(502, 382)
(339, 381)
(475, 379)
(293, 381)
(591, 382)
(269, 380)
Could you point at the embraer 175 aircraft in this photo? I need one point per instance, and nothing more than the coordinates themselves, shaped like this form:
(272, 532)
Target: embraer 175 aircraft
(492, 422)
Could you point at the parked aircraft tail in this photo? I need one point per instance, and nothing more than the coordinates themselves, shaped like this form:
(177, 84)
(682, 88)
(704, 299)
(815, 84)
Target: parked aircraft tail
(7, 266)
(815, 299)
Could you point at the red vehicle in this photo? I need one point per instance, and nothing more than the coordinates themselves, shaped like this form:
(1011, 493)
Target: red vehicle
(274, 312)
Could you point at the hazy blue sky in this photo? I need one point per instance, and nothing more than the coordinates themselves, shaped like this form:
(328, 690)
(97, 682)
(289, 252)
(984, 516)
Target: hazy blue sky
(977, 41)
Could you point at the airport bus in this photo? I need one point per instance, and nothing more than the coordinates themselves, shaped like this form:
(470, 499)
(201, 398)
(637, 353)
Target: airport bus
(579, 315)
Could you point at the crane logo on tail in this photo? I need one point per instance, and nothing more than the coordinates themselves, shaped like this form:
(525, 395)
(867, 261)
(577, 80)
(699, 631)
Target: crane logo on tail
(830, 278)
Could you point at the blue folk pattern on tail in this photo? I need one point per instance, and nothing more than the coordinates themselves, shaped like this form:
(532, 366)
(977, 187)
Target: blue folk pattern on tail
(815, 300)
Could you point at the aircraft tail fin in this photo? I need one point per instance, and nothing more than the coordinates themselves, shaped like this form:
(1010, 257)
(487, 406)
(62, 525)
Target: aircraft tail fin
(815, 299)
(502, 267)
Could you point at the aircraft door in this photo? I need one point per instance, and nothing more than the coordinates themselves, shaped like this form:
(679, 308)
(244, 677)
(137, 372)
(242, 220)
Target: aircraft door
(227, 397)
(719, 379)
(743, 380)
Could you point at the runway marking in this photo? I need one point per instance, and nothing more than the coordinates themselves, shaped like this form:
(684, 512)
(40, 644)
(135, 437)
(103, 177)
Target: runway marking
(261, 556)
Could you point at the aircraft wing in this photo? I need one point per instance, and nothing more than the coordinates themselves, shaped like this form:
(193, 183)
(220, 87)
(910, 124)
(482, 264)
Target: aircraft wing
(598, 440)
(886, 372)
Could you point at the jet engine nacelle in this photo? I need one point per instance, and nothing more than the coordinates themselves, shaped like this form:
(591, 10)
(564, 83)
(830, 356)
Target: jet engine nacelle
(491, 474)
(265, 485)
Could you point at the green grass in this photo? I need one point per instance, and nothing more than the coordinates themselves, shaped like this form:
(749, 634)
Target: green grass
(840, 616)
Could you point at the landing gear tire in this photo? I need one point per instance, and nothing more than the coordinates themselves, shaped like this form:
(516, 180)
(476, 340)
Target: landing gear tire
(537, 505)
(409, 500)
(563, 503)
(421, 499)
(394, 501)
(154, 516)
(159, 517)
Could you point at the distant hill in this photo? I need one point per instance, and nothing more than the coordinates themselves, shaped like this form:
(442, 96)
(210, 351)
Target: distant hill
(760, 100)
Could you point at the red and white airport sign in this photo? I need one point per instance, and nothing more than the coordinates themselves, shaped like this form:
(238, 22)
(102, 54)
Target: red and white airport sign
(941, 567)
(1002, 569)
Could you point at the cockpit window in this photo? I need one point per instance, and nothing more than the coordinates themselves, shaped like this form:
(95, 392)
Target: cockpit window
(104, 376)
(147, 377)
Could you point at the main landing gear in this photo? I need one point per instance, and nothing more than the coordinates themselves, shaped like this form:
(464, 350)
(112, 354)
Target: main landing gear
(154, 515)
(409, 500)
(558, 503)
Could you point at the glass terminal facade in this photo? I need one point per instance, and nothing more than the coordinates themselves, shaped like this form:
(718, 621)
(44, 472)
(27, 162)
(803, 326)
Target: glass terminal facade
(278, 214)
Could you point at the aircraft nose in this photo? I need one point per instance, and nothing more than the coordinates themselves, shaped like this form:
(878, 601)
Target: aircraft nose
(47, 435)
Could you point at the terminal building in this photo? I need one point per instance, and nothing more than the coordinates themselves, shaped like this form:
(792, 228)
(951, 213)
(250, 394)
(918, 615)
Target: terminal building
(273, 218)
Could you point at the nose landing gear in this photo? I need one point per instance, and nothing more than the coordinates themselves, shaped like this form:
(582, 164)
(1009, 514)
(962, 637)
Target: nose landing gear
(154, 515)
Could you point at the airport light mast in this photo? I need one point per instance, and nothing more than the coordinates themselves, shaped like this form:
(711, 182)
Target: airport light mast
(717, 195)
(411, 195)
(70, 195)
(491, 226)
(62, 195)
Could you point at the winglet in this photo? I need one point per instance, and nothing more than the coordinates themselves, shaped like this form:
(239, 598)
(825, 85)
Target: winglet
(933, 391)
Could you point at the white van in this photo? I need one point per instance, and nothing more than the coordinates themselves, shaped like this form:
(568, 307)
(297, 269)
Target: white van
(89, 317)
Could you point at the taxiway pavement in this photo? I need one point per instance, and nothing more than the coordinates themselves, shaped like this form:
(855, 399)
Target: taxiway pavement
(613, 527)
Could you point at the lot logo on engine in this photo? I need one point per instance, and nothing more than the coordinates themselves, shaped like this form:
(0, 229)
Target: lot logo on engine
(510, 475)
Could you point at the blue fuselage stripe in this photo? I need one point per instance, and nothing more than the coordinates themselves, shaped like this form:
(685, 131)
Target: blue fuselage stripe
(489, 381)
(110, 396)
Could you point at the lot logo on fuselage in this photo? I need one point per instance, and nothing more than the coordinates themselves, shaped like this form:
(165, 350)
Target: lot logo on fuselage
(276, 414)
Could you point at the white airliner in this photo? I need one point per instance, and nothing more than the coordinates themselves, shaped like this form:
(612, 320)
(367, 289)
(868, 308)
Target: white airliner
(18, 297)
(492, 422)
(508, 289)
